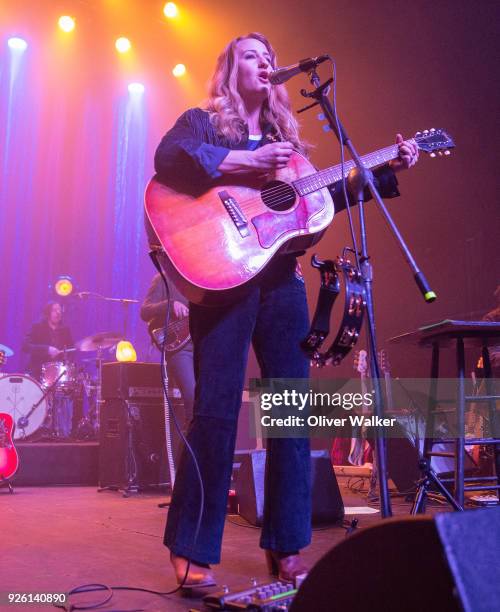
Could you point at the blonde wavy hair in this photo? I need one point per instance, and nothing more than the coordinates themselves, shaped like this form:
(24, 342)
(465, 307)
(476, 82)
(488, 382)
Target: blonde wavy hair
(226, 107)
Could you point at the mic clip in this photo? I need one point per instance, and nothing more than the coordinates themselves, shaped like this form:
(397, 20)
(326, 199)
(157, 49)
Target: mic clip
(321, 90)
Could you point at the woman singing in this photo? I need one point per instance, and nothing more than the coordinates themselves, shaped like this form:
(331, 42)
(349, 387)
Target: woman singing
(245, 128)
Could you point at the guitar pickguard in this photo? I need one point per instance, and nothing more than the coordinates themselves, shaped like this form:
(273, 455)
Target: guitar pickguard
(272, 225)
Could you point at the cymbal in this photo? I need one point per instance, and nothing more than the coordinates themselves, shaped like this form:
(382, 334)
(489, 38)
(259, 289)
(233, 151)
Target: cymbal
(6, 350)
(98, 341)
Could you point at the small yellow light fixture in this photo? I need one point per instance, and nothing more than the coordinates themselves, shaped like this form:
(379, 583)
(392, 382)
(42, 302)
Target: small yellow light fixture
(170, 10)
(63, 286)
(125, 351)
(179, 70)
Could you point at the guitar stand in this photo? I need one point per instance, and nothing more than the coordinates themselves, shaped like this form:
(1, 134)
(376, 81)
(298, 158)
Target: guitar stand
(429, 477)
(7, 482)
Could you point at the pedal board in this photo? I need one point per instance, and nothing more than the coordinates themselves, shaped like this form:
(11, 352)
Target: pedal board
(268, 596)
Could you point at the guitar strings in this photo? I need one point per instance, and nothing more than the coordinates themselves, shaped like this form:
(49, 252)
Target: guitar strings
(278, 192)
(177, 324)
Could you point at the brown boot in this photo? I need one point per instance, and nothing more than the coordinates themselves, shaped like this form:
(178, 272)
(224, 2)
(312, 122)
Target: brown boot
(286, 566)
(198, 576)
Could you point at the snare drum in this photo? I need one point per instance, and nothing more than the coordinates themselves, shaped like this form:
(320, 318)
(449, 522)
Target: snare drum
(52, 370)
(19, 394)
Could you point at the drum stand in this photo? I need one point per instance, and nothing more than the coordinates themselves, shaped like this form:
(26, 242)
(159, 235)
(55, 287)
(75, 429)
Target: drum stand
(91, 422)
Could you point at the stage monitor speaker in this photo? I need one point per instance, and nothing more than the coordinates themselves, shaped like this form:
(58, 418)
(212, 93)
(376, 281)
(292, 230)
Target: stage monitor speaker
(411, 564)
(132, 444)
(327, 505)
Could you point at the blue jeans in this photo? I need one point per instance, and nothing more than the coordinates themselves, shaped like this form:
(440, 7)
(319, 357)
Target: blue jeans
(274, 317)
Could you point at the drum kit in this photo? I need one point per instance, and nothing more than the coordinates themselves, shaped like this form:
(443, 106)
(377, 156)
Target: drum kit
(33, 405)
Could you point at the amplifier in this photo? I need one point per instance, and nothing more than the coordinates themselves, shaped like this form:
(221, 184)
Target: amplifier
(132, 381)
(132, 444)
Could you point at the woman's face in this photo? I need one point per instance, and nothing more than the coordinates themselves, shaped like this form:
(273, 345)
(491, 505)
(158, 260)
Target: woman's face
(254, 65)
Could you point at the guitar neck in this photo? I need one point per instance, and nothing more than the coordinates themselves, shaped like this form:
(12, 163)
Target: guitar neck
(323, 178)
(388, 391)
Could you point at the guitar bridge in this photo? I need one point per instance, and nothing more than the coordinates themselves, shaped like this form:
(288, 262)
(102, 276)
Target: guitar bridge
(235, 212)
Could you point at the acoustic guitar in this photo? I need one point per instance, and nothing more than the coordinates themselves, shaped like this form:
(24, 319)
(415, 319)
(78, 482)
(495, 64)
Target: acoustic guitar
(9, 460)
(217, 242)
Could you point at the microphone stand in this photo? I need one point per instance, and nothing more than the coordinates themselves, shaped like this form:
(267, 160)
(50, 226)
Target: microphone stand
(359, 178)
(124, 301)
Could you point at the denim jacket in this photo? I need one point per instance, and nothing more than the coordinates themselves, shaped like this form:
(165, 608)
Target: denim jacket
(190, 153)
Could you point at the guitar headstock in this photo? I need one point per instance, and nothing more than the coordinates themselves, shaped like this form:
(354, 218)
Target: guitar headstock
(434, 141)
(360, 362)
(383, 362)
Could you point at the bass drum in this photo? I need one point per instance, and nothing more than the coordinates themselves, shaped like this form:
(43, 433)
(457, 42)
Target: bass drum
(19, 393)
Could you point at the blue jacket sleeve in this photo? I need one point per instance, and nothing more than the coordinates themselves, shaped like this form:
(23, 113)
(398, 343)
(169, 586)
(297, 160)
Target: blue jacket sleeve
(185, 152)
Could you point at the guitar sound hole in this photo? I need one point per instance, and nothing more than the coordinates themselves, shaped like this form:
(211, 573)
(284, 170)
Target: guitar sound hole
(278, 195)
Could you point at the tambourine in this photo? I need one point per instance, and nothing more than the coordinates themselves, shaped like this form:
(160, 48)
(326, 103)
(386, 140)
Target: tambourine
(336, 277)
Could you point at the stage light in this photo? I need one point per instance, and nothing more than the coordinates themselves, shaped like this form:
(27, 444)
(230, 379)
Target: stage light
(66, 23)
(179, 70)
(136, 88)
(123, 45)
(19, 44)
(64, 286)
(170, 10)
(125, 351)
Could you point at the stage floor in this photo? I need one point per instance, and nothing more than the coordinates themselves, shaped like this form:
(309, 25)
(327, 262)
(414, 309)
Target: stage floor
(57, 538)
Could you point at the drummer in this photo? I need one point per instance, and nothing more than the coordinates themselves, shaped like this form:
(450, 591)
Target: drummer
(46, 341)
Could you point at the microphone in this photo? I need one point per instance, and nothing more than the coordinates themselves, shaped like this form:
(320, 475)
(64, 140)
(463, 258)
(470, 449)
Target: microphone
(281, 75)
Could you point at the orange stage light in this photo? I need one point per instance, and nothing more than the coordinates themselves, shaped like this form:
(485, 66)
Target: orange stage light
(66, 23)
(123, 44)
(170, 10)
(179, 70)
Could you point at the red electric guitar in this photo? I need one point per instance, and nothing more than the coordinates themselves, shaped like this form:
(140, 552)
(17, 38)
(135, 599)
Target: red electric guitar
(355, 450)
(217, 242)
(9, 460)
(361, 451)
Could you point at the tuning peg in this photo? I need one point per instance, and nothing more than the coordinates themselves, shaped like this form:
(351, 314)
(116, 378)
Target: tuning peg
(440, 153)
(433, 129)
(426, 131)
(432, 155)
(418, 134)
(447, 152)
